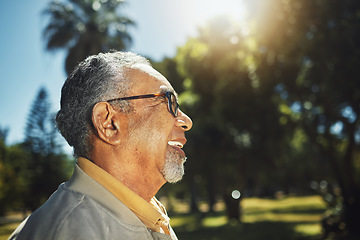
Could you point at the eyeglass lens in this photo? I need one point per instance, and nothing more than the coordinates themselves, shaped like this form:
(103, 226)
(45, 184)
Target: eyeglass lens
(173, 105)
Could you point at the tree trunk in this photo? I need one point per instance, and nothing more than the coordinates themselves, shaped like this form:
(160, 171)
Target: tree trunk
(351, 189)
(232, 207)
(351, 207)
(194, 196)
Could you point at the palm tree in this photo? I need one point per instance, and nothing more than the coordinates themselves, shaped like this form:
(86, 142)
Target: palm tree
(85, 27)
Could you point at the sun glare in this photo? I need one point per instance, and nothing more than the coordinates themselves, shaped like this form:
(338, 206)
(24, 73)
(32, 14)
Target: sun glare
(165, 25)
(198, 13)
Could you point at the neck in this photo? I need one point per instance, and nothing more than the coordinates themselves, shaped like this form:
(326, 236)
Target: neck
(145, 188)
(131, 173)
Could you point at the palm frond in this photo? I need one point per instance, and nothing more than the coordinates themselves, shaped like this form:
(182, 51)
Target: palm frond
(85, 27)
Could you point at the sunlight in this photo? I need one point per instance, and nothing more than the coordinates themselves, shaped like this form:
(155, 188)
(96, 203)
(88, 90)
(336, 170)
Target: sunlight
(198, 13)
(178, 20)
(308, 229)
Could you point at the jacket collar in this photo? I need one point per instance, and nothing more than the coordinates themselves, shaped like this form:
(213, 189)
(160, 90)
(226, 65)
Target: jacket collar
(82, 183)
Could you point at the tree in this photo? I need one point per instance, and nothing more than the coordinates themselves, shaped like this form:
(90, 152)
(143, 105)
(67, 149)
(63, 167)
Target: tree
(13, 175)
(327, 95)
(225, 98)
(313, 47)
(3, 133)
(277, 104)
(85, 27)
(47, 165)
(40, 133)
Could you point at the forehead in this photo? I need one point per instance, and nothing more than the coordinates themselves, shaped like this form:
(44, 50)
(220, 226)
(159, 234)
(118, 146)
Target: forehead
(145, 79)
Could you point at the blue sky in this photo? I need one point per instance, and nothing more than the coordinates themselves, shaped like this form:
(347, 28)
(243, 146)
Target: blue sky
(25, 66)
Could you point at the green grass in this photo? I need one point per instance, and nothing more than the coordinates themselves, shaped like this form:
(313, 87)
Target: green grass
(283, 219)
(288, 218)
(6, 230)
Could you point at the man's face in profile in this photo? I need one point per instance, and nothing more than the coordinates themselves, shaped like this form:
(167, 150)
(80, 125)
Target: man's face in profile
(155, 136)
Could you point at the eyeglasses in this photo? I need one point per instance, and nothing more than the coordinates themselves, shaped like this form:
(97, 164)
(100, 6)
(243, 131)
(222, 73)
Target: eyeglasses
(173, 105)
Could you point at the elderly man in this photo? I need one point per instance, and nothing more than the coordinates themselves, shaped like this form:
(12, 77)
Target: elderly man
(122, 118)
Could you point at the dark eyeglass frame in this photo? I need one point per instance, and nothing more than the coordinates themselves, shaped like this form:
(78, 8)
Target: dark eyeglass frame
(169, 95)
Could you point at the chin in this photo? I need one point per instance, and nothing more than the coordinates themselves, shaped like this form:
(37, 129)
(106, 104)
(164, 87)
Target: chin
(173, 170)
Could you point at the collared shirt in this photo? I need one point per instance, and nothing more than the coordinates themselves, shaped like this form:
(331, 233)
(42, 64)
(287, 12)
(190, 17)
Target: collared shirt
(152, 214)
(82, 208)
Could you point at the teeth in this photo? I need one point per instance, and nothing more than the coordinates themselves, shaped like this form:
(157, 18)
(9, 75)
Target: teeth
(174, 143)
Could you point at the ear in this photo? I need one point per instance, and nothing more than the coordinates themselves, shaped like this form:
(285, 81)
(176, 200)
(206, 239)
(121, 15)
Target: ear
(106, 123)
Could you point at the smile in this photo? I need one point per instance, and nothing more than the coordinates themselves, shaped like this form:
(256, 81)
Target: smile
(175, 144)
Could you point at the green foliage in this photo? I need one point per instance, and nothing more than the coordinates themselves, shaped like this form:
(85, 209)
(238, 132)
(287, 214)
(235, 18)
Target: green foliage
(288, 218)
(40, 132)
(47, 166)
(86, 27)
(275, 101)
(14, 177)
(31, 171)
(232, 119)
(3, 133)
(27, 179)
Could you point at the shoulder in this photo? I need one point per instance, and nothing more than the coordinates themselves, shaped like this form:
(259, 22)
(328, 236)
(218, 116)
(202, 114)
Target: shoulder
(72, 215)
(48, 219)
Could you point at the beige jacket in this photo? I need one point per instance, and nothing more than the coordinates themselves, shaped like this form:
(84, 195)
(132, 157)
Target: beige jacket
(83, 209)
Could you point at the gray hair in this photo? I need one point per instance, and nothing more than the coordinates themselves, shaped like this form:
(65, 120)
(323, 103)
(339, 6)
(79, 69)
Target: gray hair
(97, 78)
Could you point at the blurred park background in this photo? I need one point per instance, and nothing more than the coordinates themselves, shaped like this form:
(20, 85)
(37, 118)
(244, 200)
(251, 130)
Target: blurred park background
(274, 94)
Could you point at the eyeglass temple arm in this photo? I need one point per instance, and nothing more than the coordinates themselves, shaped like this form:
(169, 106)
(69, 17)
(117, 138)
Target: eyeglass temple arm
(137, 97)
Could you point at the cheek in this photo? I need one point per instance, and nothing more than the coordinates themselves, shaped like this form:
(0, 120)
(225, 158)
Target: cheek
(152, 134)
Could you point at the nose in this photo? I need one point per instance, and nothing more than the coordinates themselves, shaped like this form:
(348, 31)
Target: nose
(183, 121)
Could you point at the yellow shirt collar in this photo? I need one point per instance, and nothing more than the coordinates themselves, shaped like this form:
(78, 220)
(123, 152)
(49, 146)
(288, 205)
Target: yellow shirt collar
(152, 214)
